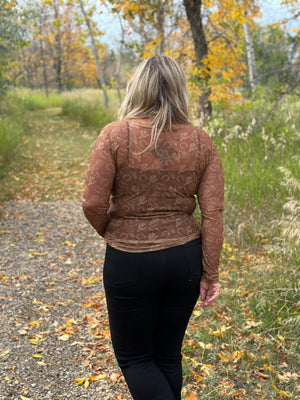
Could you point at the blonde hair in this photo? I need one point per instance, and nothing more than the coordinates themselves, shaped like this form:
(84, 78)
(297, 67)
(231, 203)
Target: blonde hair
(157, 91)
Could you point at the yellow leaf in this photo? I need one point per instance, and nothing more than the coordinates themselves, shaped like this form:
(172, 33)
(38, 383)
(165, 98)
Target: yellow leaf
(196, 313)
(37, 356)
(64, 337)
(206, 369)
(5, 231)
(281, 391)
(250, 323)
(236, 355)
(79, 381)
(37, 340)
(36, 253)
(36, 302)
(220, 332)
(87, 383)
(223, 357)
(37, 323)
(25, 398)
(101, 376)
(69, 244)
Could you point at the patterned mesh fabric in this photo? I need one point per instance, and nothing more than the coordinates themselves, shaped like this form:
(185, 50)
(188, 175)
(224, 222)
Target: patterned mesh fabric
(144, 200)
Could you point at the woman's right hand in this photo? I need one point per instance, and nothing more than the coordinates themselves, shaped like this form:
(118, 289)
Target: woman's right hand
(209, 292)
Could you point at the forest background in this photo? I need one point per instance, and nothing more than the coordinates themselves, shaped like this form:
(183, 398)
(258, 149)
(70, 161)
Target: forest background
(243, 77)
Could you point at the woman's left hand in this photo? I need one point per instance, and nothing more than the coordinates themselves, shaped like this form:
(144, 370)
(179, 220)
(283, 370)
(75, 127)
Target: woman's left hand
(209, 293)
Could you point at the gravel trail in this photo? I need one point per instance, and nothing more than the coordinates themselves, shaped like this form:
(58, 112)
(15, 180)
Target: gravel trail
(50, 266)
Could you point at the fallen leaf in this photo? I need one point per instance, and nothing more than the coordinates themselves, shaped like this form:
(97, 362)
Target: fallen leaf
(36, 253)
(281, 391)
(69, 244)
(114, 377)
(191, 396)
(64, 337)
(220, 332)
(5, 354)
(223, 357)
(37, 340)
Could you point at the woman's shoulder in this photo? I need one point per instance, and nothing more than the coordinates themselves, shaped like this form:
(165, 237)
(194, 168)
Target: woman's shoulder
(115, 126)
(115, 131)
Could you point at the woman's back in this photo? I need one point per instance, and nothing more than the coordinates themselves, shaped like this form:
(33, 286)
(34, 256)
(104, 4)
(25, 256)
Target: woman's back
(153, 193)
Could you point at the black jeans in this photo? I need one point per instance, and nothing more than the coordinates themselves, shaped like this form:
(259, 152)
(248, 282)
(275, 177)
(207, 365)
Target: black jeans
(150, 297)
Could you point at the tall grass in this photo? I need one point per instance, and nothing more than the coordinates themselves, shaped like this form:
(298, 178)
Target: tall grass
(87, 106)
(10, 135)
(252, 154)
(11, 130)
(31, 100)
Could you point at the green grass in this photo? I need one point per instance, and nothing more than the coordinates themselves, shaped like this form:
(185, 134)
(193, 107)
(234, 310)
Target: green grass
(12, 128)
(251, 155)
(30, 100)
(88, 107)
(10, 136)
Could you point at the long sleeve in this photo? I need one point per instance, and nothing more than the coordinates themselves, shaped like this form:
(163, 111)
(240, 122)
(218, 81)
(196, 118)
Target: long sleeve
(210, 197)
(99, 182)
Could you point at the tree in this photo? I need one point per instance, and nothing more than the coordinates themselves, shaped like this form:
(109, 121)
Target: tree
(253, 77)
(147, 20)
(59, 54)
(11, 35)
(194, 14)
(276, 52)
(95, 51)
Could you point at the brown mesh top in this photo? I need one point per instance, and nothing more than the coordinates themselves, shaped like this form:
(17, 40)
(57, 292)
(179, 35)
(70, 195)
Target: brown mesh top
(144, 201)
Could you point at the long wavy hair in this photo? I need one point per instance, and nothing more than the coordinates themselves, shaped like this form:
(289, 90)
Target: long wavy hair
(157, 91)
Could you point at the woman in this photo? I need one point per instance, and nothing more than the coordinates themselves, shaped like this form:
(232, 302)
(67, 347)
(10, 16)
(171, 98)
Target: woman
(143, 175)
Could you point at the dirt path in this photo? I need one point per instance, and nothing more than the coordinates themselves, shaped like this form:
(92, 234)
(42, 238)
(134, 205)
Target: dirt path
(50, 268)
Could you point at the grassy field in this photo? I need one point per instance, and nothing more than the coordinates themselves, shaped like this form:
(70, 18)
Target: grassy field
(246, 346)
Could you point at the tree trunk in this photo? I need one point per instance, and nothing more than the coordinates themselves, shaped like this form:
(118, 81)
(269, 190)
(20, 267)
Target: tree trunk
(58, 50)
(253, 78)
(194, 15)
(46, 86)
(119, 62)
(161, 27)
(28, 69)
(100, 75)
